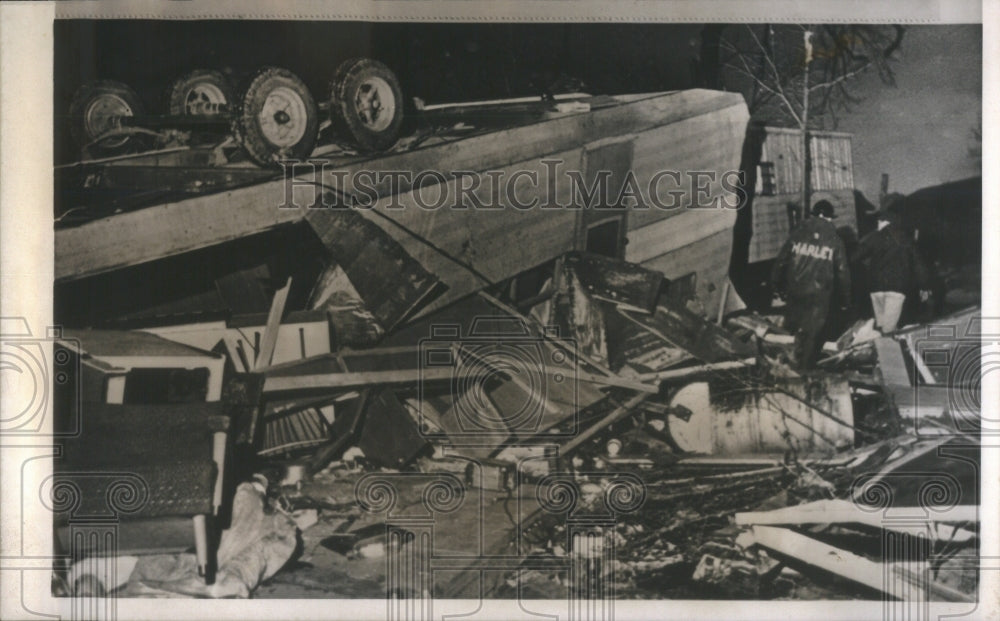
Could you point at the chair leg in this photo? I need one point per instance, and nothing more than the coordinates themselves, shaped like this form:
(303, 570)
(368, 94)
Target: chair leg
(219, 456)
(201, 546)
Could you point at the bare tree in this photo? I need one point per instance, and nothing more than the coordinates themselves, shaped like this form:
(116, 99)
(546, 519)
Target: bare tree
(802, 76)
(975, 148)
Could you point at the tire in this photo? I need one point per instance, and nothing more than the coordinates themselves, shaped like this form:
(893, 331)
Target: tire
(94, 111)
(366, 104)
(277, 118)
(89, 585)
(200, 93)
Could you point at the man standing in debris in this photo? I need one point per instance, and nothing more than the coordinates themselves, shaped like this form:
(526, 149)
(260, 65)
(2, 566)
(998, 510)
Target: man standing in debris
(810, 265)
(893, 269)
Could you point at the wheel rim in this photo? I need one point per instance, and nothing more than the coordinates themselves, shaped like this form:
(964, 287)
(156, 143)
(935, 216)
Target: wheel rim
(204, 99)
(103, 115)
(375, 103)
(283, 117)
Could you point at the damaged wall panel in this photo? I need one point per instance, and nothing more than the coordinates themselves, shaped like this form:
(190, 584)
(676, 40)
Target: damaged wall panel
(618, 282)
(387, 277)
(677, 241)
(704, 145)
(469, 247)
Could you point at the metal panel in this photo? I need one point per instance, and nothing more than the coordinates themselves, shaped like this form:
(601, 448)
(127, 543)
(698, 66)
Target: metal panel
(710, 142)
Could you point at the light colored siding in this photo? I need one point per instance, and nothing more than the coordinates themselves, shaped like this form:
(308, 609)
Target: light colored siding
(712, 141)
(708, 257)
(832, 165)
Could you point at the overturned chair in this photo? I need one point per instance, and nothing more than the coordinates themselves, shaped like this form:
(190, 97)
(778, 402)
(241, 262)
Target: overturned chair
(141, 479)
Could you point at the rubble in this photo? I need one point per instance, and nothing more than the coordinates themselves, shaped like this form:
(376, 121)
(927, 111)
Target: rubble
(387, 353)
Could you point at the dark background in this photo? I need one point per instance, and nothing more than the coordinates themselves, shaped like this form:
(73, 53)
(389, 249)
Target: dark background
(436, 62)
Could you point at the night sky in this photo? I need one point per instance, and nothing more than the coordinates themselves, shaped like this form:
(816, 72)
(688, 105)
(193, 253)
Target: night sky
(920, 130)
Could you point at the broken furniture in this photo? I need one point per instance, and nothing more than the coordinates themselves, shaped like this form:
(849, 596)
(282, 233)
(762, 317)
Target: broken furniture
(120, 366)
(137, 368)
(302, 334)
(139, 479)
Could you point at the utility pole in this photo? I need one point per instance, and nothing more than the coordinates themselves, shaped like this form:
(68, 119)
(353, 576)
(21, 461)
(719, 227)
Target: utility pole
(807, 35)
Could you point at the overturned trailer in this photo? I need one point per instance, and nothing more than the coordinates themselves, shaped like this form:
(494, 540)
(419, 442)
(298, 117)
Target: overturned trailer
(650, 178)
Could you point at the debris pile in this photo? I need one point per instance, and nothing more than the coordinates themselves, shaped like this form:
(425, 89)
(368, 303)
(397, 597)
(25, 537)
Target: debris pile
(747, 477)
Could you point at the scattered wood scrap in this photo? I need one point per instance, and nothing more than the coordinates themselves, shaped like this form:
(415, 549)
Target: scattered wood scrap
(892, 579)
(902, 519)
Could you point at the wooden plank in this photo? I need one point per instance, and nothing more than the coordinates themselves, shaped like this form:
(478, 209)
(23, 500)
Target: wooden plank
(845, 511)
(194, 179)
(270, 338)
(688, 372)
(387, 278)
(834, 560)
(603, 380)
(617, 414)
(892, 366)
(169, 229)
(337, 381)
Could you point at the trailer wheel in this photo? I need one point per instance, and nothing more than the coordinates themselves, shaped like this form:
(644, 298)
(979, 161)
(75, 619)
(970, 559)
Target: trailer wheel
(366, 104)
(277, 118)
(95, 116)
(203, 92)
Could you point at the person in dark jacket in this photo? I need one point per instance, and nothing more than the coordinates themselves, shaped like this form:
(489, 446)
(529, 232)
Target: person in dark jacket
(812, 265)
(893, 269)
